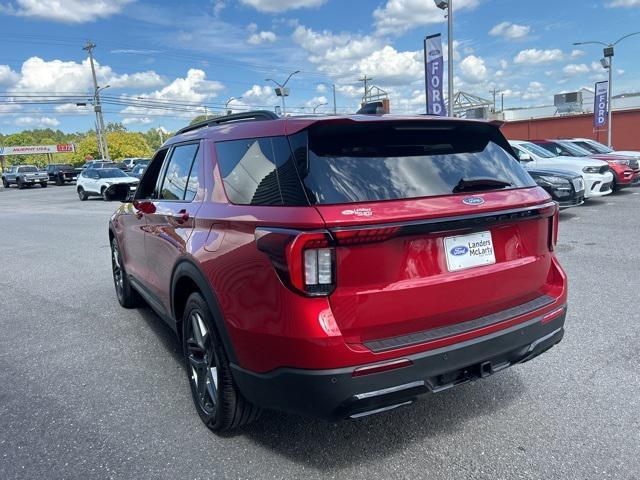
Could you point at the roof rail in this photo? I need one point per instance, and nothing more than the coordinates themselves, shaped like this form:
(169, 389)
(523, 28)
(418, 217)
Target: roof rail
(235, 117)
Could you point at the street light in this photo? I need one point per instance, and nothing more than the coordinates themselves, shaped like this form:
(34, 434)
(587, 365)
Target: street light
(318, 106)
(607, 64)
(447, 5)
(226, 105)
(282, 91)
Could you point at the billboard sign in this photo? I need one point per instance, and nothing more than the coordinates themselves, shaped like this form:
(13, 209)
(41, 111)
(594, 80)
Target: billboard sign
(434, 74)
(33, 149)
(601, 104)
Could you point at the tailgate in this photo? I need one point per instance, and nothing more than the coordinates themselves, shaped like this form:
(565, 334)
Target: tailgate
(426, 269)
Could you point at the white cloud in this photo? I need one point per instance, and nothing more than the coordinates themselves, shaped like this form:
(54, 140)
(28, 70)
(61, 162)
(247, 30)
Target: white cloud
(577, 53)
(7, 76)
(624, 3)
(258, 96)
(576, 69)
(326, 47)
(261, 37)
(534, 91)
(533, 56)
(57, 76)
(504, 64)
(66, 11)
(473, 69)
(137, 121)
(398, 16)
(194, 89)
(218, 6)
(274, 6)
(37, 121)
(510, 30)
(321, 88)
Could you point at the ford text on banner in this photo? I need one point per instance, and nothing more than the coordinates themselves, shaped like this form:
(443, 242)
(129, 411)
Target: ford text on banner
(434, 65)
(601, 104)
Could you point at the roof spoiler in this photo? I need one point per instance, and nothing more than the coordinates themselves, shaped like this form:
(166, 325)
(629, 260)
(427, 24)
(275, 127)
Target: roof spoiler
(255, 115)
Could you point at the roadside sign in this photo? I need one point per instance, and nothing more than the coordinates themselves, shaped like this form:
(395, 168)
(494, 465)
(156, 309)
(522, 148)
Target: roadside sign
(33, 149)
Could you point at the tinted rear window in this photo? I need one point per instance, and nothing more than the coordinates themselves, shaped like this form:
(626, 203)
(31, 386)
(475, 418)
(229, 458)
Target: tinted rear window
(260, 171)
(373, 162)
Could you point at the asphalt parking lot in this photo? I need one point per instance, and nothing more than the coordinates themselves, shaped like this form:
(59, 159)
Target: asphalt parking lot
(90, 390)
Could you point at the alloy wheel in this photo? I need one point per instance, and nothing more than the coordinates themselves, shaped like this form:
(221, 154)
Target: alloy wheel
(201, 363)
(116, 264)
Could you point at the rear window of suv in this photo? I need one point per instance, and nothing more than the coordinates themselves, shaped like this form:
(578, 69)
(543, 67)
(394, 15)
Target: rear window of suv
(390, 161)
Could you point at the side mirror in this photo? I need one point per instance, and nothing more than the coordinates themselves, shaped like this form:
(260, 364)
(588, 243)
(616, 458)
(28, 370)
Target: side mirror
(118, 192)
(144, 206)
(525, 157)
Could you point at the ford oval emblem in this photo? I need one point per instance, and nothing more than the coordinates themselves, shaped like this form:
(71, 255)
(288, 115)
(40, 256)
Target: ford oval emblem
(473, 201)
(459, 250)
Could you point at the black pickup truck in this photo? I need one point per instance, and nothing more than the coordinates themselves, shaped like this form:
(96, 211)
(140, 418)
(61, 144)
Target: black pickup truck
(61, 173)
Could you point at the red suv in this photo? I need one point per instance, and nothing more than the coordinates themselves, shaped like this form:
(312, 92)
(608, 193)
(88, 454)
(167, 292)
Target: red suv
(339, 266)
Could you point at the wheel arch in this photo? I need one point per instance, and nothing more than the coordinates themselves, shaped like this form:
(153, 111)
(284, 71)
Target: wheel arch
(186, 279)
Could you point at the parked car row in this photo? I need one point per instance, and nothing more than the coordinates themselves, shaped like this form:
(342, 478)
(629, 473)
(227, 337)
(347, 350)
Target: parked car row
(60, 173)
(557, 164)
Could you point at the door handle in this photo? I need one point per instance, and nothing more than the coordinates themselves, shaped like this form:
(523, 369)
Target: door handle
(182, 217)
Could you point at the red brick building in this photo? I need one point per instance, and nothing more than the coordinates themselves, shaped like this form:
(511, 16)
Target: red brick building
(626, 128)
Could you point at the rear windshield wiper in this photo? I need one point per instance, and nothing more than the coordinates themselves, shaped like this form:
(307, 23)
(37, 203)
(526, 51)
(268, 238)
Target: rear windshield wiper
(477, 184)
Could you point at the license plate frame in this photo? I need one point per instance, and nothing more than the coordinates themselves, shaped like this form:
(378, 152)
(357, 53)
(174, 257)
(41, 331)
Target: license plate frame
(473, 250)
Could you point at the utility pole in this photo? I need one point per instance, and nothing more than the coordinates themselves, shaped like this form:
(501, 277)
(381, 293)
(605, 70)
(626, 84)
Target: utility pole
(366, 81)
(502, 102)
(494, 92)
(99, 138)
(335, 109)
(96, 103)
(161, 137)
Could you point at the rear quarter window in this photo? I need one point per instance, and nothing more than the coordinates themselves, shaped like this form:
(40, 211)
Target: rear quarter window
(260, 171)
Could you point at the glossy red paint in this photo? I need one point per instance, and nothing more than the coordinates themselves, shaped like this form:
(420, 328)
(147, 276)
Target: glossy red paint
(395, 285)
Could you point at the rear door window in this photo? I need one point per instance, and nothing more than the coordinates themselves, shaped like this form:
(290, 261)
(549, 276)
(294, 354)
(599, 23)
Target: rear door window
(176, 177)
(390, 161)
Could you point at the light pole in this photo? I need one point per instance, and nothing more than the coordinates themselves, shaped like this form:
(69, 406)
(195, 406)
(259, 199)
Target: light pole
(226, 105)
(447, 5)
(282, 91)
(318, 106)
(608, 64)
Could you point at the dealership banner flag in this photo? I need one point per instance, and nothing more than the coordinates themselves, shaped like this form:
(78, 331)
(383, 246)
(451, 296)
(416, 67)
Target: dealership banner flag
(434, 74)
(601, 104)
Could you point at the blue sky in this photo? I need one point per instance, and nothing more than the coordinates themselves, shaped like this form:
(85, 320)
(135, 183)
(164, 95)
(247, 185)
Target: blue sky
(166, 62)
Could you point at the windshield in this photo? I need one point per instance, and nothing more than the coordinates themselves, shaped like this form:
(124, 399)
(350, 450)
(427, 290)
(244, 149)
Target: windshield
(27, 169)
(593, 147)
(536, 150)
(363, 163)
(575, 150)
(111, 173)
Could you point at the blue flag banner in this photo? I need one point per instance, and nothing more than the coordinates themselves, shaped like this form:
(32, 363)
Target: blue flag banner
(601, 104)
(434, 74)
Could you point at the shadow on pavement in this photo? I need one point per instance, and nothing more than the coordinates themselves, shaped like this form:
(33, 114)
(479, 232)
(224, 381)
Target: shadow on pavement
(327, 446)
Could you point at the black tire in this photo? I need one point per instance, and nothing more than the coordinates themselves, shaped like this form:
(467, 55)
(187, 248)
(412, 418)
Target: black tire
(44, 185)
(82, 194)
(59, 180)
(5, 184)
(218, 402)
(127, 296)
(20, 184)
(102, 190)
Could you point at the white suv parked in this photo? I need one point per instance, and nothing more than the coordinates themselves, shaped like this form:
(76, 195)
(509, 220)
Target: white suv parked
(598, 148)
(597, 175)
(94, 181)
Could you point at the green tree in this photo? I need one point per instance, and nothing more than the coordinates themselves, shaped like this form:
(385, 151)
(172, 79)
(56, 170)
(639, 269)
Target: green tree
(121, 145)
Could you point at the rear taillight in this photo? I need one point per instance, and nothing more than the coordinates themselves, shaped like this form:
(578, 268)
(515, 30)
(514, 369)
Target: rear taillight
(311, 262)
(553, 230)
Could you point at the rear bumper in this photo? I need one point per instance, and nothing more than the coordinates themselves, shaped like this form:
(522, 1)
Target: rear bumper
(336, 394)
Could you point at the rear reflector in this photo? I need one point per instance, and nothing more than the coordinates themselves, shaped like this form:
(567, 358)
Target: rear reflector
(552, 315)
(381, 367)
